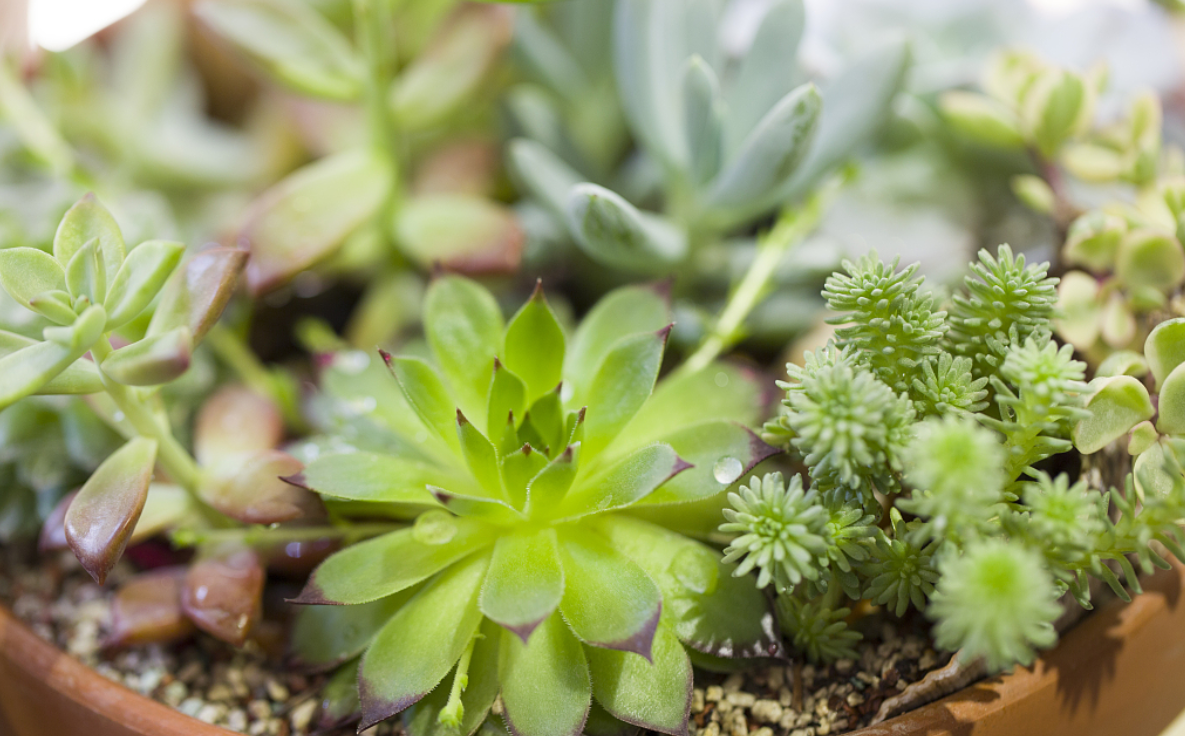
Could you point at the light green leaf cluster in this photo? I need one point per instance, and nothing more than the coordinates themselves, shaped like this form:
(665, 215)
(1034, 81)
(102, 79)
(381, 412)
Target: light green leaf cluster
(522, 452)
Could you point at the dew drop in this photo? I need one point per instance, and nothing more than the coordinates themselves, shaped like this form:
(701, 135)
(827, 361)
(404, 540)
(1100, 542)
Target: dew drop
(434, 528)
(695, 567)
(727, 470)
(721, 379)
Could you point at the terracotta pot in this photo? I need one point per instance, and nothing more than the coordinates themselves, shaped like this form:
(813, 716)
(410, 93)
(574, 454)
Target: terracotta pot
(1121, 671)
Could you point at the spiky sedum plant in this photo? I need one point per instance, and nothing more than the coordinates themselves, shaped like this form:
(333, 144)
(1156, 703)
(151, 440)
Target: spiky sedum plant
(539, 468)
(990, 542)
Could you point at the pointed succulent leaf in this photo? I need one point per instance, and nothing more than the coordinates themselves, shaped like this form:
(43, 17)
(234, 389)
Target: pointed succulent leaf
(85, 275)
(625, 483)
(88, 220)
(325, 636)
(711, 610)
(614, 232)
(508, 403)
(294, 43)
(305, 217)
(385, 565)
(481, 457)
(147, 610)
(429, 718)
(365, 476)
(625, 311)
(28, 272)
(251, 488)
(719, 452)
(427, 395)
(102, 516)
(767, 72)
(464, 327)
(525, 581)
(547, 489)
(534, 346)
(703, 119)
(1150, 258)
(608, 600)
(546, 420)
(1171, 403)
(339, 698)
(546, 688)
(494, 511)
(461, 233)
(1165, 348)
(655, 695)
(142, 275)
(544, 175)
(771, 152)
(421, 642)
(151, 361)
(518, 468)
(81, 335)
(622, 384)
(24, 375)
(236, 420)
(223, 593)
(197, 292)
(55, 305)
(1117, 405)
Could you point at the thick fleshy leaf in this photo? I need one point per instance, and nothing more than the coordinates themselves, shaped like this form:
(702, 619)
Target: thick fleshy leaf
(1123, 363)
(339, 698)
(293, 42)
(461, 233)
(1171, 403)
(223, 593)
(1093, 240)
(711, 610)
(1143, 436)
(103, 514)
(546, 688)
(1150, 472)
(251, 488)
(236, 420)
(1056, 107)
(655, 695)
(78, 377)
(151, 361)
(771, 152)
(424, 718)
(534, 347)
(1078, 309)
(422, 642)
(622, 384)
(325, 636)
(547, 489)
(608, 600)
(464, 327)
(984, 120)
(427, 395)
(365, 476)
(85, 274)
(525, 581)
(625, 311)
(449, 70)
(1117, 405)
(543, 174)
(518, 468)
(147, 610)
(27, 272)
(385, 565)
(719, 452)
(768, 70)
(614, 232)
(545, 421)
(625, 483)
(1165, 348)
(1150, 258)
(55, 305)
(30, 368)
(198, 291)
(703, 119)
(508, 402)
(307, 216)
(86, 221)
(492, 510)
(166, 507)
(142, 275)
(481, 457)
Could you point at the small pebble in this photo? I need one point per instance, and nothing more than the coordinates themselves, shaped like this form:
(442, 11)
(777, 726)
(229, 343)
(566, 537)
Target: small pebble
(302, 715)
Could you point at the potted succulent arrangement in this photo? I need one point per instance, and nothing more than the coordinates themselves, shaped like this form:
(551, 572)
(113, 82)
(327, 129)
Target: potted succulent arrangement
(521, 469)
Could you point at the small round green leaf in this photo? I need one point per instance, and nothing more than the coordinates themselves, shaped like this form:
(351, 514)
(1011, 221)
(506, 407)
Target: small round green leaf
(1117, 405)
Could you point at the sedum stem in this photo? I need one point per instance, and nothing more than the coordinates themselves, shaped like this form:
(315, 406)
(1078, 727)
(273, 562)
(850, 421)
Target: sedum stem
(267, 535)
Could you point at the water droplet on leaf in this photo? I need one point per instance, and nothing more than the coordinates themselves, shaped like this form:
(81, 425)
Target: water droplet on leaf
(434, 528)
(727, 470)
(695, 567)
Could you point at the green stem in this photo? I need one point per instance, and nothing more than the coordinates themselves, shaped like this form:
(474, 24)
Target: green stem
(792, 227)
(453, 711)
(268, 535)
(174, 458)
(373, 33)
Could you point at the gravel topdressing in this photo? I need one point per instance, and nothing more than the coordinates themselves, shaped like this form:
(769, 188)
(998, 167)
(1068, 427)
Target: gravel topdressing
(250, 691)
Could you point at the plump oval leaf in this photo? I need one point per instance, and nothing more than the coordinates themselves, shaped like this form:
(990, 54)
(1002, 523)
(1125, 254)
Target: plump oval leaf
(147, 610)
(421, 642)
(767, 72)
(103, 515)
(525, 581)
(545, 683)
(543, 174)
(88, 220)
(1118, 404)
(223, 593)
(1150, 258)
(614, 232)
(236, 420)
(151, 361)
(703, 119)
(27, 272)
(1165, 348)
(196, 294)
(462, 233)
(251, 488)
(1171, 403)
(139, 279)
(77, 377)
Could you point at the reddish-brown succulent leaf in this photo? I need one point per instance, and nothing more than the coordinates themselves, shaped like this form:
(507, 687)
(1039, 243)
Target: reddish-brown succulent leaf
(53, 531)
(236, 420)
(462, 167)
(251, 488)
(147, 610)
(101, 518)
(223, 593)
(197, 292)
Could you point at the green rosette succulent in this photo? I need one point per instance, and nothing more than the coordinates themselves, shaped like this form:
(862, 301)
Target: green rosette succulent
(546, 474)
